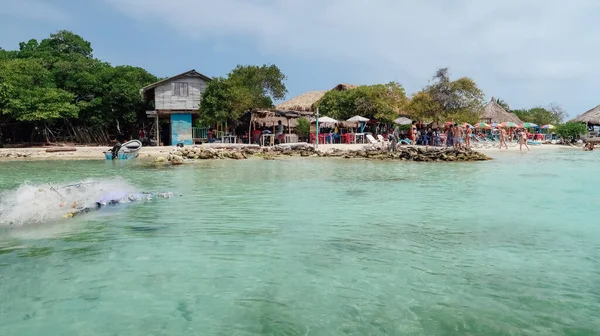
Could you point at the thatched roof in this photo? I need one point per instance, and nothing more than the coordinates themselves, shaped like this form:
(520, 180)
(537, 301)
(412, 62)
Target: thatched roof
(591, 117)
(344, 87)
(494, 113)
(272, 121)
(306, 101)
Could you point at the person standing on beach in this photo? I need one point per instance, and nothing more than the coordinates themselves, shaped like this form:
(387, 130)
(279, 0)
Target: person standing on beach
(503, 138)
(413, 133)
(456, 135)
(524, 140)
(467, 136)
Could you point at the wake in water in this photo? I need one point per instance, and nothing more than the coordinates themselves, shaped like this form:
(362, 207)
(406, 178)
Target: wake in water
(41, 203)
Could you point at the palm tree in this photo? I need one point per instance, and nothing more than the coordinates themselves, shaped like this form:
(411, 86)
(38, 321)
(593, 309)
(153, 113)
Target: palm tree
(504, 104)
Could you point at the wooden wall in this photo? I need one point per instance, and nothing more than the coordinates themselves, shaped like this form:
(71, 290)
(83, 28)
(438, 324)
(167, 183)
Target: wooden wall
(165, 99)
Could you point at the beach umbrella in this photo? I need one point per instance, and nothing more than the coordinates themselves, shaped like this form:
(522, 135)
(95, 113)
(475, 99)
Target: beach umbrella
(358, 118)
(403, 121)
(467, 124)
(509, 124)
(326, 120)
(496, 125)
(548, 126)
(528, 125)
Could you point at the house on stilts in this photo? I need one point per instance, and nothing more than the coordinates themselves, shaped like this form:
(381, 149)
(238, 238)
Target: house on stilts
(176, 104)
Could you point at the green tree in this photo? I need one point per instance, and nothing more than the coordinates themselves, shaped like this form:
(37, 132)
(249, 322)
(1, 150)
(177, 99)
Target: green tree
(422, 105)
(553, 114)
(460, 100)
(571, 130)
(303, 127)
(244, 88)
(381, 101)
(65, 43)
(28, 93)
(217, 101)
(262, 84)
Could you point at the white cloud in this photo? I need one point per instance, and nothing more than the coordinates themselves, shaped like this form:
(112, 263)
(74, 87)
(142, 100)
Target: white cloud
(31, 9)
(531, 41)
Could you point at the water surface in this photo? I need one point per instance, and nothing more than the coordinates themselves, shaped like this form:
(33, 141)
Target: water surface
(314, 247)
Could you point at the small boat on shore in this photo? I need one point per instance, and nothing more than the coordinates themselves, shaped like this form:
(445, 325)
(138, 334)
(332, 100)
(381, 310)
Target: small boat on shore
(127, 151)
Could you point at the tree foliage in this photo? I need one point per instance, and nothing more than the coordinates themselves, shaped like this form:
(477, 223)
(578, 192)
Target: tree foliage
(58, 79)
(381, 101)
(552, 114)
(571, 130)
(443, 99)
(28, 92)
(244, 88)
(303, 127)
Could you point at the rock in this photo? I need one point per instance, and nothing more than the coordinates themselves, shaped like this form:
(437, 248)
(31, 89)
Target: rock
(238, 156)
(160, 159)
(177, 160)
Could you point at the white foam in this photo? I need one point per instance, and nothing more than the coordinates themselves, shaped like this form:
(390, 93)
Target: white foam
(42, 203)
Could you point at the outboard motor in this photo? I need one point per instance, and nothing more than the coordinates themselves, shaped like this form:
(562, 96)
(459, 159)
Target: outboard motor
(115, 150)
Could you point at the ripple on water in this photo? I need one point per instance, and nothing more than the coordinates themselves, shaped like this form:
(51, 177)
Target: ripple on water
(315, 247)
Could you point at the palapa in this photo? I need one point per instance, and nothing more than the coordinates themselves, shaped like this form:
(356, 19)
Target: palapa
(494, 113)
(591, 117)
(303, 102)
(308, 100)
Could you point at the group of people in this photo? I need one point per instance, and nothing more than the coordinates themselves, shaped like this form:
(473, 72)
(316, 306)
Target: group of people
(588, 146)
(522, 135)
(459, 136)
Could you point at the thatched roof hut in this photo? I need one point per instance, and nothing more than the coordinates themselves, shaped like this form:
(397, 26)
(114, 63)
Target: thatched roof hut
(591, 117)
(303, 102)
(306, 101)
(494, 113)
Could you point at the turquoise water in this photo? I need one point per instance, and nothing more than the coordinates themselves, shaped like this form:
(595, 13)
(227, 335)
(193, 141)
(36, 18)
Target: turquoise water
(314, 247)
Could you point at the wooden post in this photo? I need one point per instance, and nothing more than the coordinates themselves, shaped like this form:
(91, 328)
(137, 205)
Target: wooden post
(250, 129)
(157, 131)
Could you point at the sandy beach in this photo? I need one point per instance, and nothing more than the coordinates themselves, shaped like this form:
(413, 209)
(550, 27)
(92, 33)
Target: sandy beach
(96, 153)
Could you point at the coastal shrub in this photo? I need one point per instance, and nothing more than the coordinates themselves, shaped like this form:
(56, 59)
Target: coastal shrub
(303, 127)
(571, 130)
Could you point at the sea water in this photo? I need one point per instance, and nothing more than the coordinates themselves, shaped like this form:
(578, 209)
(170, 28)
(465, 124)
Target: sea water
(313, 247)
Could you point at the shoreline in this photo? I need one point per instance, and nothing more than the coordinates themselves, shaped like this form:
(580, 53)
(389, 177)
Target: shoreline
(97, 153)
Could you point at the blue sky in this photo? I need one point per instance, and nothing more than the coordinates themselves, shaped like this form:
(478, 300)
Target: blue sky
(526, 52)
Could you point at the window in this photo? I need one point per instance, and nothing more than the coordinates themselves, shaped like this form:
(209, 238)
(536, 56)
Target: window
(180, 89)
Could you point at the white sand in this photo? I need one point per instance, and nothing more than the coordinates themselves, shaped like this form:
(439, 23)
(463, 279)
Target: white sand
(96, 153)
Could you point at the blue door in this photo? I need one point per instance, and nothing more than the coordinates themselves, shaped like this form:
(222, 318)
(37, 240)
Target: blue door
(181, 129)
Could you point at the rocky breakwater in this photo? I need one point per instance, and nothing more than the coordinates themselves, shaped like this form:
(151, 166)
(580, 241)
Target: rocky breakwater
(417, 154)
(181, 155)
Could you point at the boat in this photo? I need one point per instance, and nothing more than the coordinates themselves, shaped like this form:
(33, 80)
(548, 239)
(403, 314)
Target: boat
(127, 151)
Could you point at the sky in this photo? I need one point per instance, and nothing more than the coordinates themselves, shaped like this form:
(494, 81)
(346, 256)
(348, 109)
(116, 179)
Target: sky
(526, 52)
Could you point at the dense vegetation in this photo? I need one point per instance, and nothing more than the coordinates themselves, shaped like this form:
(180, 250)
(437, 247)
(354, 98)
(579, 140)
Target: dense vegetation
(383, 102)
(244, 88)
(552, 114)
(56, 90)
(443, 99)
(571, 130)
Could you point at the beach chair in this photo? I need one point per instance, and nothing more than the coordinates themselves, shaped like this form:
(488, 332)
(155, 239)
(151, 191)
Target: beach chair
(381, 139)
(373, 142)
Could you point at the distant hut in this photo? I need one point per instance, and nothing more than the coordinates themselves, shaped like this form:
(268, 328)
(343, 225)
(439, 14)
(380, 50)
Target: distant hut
(494, 113)
(591, 117)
